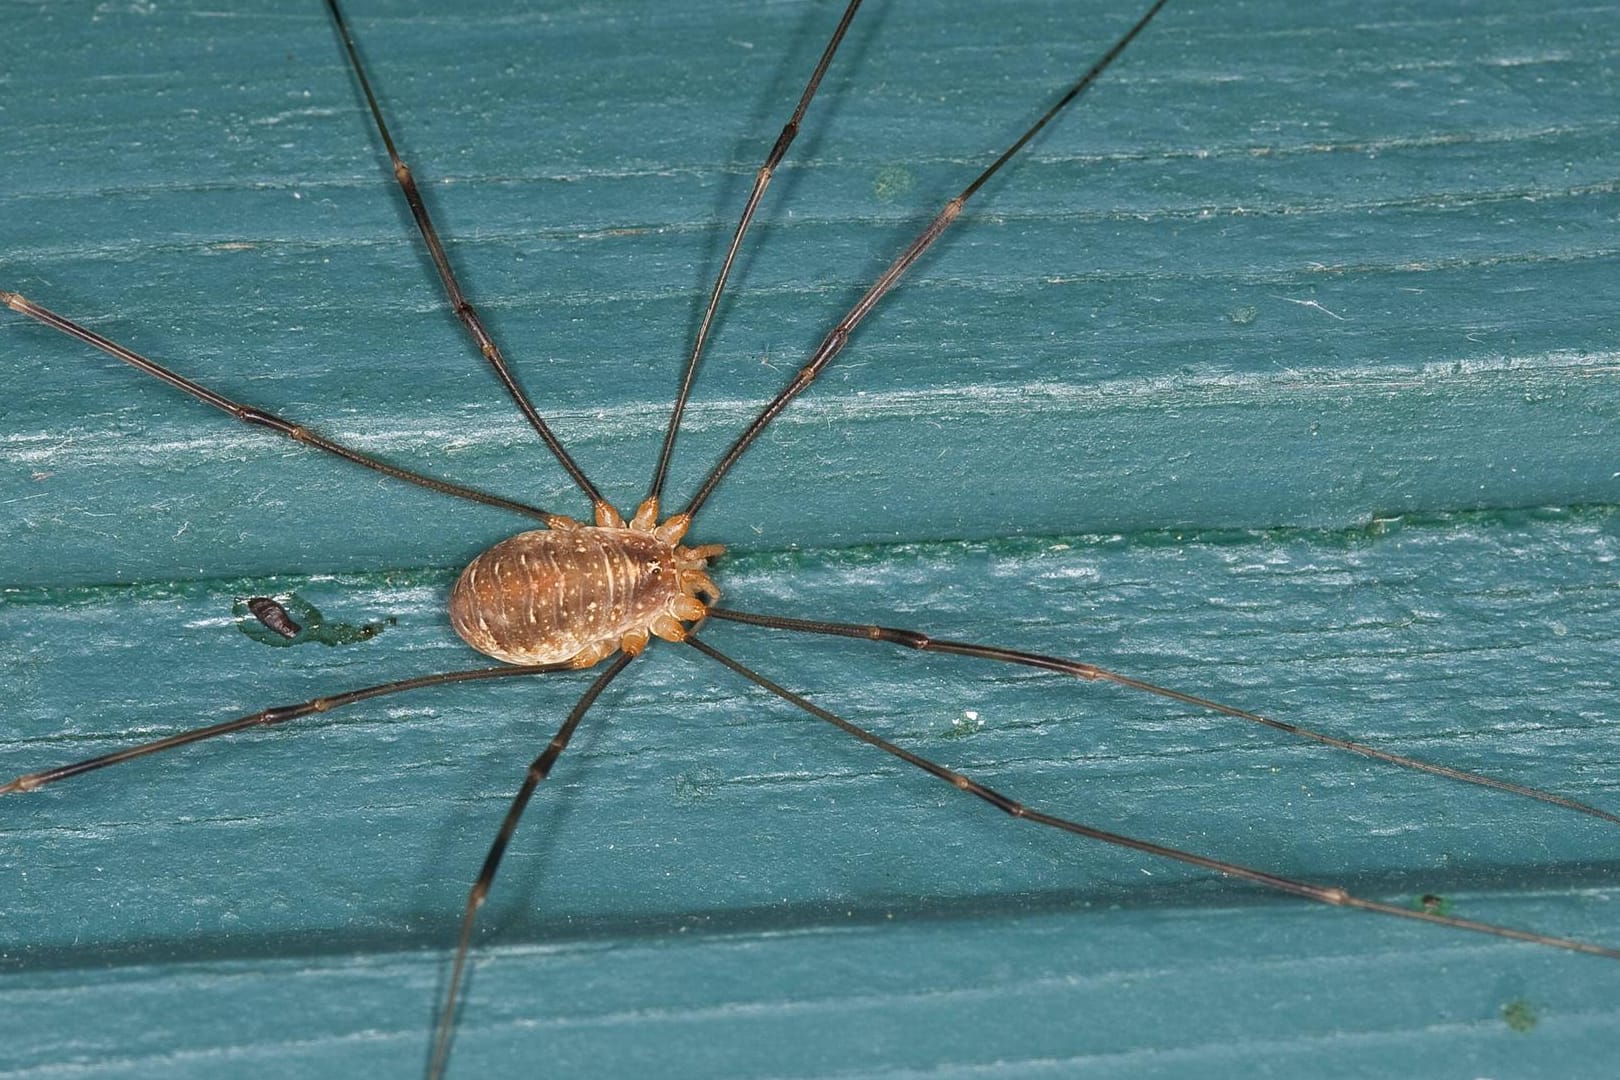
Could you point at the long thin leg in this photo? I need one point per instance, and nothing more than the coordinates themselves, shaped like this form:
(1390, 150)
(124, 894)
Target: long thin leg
(539, 769)
(257, 417)
(835, 341)
(1325, 894)
(913, 639)
(762, 180)
(278, 714)
(458, 300)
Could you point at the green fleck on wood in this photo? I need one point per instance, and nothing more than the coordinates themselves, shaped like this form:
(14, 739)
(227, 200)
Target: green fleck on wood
(1433, 904)
(1520, 1015)
(311, 626)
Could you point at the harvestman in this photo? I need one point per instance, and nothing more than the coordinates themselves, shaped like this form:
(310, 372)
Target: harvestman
(568, 595)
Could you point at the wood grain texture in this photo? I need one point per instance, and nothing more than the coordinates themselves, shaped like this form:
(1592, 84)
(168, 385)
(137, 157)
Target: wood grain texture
(1283, 371)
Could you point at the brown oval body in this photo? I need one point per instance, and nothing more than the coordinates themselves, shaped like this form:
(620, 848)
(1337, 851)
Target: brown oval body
(572, 595)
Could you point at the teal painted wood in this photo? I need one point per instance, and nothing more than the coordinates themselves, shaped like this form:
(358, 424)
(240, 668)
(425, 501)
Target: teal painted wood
(1291, 270)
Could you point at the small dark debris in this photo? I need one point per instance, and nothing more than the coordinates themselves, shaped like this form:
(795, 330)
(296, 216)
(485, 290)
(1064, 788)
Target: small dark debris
(273, 615)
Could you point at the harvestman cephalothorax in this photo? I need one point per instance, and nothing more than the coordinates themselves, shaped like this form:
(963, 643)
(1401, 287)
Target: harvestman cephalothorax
(696, 558)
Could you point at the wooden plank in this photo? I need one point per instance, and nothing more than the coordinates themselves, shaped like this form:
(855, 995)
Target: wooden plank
(1290, 271)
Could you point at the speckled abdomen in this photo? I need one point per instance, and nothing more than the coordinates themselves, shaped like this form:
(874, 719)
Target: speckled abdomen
(577, 594)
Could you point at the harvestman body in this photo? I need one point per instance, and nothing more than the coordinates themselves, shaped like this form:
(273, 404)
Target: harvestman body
(577, 594)
(571, 595)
